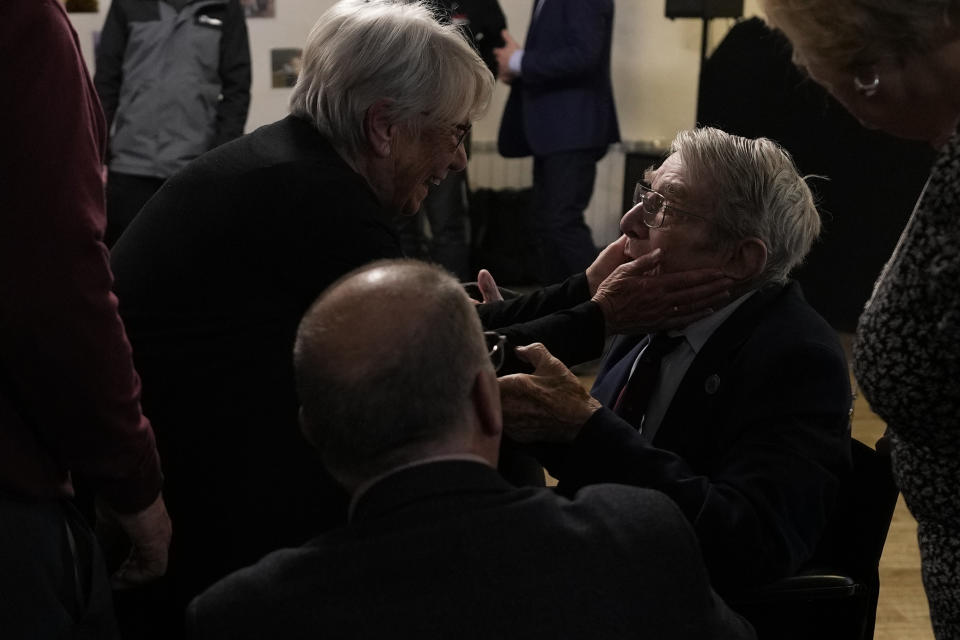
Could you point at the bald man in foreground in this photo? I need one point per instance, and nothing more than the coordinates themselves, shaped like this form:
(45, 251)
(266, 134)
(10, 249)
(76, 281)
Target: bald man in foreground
(399, 394)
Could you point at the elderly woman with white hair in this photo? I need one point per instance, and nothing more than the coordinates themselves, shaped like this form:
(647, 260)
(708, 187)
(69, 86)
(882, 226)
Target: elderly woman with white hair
(216, 272)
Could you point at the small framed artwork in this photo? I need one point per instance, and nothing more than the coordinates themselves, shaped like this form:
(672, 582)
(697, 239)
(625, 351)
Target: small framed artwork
(285, 67)
(82, 6)
(258, 8)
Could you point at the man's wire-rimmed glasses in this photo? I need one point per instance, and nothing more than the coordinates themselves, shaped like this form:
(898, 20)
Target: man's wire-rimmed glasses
(496, 347)
(655, 207)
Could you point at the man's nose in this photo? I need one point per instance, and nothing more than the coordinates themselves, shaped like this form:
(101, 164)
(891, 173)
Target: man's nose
(631, 224)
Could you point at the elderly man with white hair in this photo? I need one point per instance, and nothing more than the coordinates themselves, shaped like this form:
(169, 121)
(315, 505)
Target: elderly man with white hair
(216, 271)
(741, 417)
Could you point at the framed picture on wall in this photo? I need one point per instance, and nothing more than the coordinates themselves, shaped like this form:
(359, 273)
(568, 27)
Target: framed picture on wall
(258, 8)
(285, 66)
(83, 6)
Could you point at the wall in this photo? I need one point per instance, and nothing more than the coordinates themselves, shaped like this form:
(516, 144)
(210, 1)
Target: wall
(654, 61)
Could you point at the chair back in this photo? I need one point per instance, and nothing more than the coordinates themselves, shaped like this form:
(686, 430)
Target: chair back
(856, 533)
(835, 596)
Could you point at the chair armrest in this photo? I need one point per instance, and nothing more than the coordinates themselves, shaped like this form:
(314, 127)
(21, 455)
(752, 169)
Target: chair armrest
(804, 586)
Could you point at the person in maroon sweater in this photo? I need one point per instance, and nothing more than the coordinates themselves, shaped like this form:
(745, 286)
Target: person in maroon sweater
(69, 396)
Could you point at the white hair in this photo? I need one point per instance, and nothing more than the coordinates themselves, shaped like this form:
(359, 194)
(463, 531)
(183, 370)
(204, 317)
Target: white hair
(363, 51)
(757, 191)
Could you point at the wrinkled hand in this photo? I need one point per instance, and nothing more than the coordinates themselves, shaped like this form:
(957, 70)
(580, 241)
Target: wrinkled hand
(636, 299)
(608, 260)
(503, 54)
(149, 532)
(549, 405)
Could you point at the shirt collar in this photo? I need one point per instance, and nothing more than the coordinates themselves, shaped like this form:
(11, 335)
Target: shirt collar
(367, 484)
(697, 333)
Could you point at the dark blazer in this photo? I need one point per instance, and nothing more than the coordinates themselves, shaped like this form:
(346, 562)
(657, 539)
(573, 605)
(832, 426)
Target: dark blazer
(564, 99)
(449, 550)
(753, 446)
(213, 276)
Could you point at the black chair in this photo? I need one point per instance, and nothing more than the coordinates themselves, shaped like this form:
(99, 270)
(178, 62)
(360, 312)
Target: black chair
(835, 596)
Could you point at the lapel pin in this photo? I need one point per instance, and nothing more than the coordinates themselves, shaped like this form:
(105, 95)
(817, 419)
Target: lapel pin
(712, 384)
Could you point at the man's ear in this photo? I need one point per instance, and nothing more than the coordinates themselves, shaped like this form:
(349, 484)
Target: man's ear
(486, 403)
(378, 128)
(302, 421)
(747, 260)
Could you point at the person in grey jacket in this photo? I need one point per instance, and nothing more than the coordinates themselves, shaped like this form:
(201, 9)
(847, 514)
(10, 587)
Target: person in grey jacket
(174, 80)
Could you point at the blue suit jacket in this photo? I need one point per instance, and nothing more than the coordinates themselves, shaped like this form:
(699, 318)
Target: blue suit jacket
(753, 446)
(564, 99)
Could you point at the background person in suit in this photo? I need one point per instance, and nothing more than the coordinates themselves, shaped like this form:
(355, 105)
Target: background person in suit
(399, 395)
(746, 425)
(561, 111)
(446, 207)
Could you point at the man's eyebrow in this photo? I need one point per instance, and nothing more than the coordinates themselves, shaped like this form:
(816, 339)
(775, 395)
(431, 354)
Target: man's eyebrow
(674, 189)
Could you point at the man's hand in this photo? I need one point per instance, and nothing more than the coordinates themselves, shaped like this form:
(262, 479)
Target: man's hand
(636, 299)
(608, 260)
(503, 55)
(149, 532)
(549, 405)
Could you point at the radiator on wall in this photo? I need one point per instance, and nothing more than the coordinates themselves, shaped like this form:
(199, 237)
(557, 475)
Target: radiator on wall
(489, 170)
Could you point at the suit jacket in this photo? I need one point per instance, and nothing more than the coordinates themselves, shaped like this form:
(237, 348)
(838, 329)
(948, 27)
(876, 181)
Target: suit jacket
(564, 99)
(448, 549)
(753, 446)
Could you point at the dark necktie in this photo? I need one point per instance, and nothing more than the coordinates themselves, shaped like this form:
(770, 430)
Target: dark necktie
(632, 402)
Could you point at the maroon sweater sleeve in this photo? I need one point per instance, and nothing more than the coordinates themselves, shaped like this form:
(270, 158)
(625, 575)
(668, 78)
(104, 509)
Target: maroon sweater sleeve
(69, 396)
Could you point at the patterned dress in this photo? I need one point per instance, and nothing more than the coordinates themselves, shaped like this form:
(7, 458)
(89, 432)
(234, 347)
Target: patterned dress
(907, 361)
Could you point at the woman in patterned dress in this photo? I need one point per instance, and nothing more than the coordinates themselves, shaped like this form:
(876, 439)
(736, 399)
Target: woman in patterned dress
(895, 65)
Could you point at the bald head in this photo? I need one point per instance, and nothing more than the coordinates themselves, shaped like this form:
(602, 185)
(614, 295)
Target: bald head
(387, 362)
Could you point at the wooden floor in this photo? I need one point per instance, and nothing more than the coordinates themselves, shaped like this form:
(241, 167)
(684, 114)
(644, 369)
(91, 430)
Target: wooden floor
(902, 612)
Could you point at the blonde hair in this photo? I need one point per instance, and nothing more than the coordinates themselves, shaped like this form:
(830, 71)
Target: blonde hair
(363, 51)
(850, 33)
